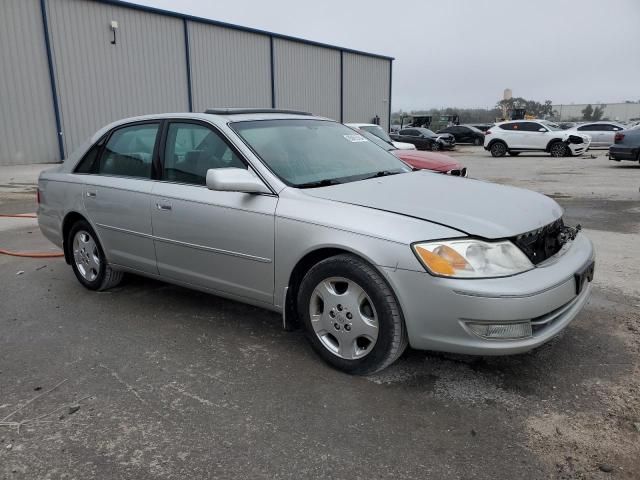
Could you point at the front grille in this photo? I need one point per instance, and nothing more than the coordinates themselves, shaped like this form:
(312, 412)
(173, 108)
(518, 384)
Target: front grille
(538, 245)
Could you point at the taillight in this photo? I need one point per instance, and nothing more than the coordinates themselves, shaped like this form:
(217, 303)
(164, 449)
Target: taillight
(38, 196)
(619, 137)
(488, 132)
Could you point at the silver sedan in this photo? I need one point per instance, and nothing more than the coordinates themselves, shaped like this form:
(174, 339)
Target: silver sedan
(303, 216)
(602, 133)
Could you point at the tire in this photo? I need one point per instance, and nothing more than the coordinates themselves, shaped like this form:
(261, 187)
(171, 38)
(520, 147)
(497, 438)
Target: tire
(350, 315)
(514, 154)
(558, 149)
(88, 260)
(498, 149)
(477, 142)
(435, 147)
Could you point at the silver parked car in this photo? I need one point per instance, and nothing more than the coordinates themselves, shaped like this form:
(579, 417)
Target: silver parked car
(303, 216)
(602, 133)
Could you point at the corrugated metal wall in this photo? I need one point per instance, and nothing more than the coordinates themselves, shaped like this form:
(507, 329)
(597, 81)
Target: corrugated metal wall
(366, 88)
(27, 122)
(229, 68)
(144, 72)
(307, 78)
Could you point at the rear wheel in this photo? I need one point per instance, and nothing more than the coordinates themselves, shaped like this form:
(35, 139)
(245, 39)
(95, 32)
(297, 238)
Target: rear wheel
(498, 149)
(88, 260)
(558, 149)
(351, 316)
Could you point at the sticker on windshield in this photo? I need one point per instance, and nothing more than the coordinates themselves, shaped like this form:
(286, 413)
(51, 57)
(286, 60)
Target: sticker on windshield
(355, 138)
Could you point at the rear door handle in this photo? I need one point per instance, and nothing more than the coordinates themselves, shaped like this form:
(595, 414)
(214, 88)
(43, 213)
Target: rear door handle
(163, 206)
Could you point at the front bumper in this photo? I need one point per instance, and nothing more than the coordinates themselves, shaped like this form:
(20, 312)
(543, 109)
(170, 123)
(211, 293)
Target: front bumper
(437, 310)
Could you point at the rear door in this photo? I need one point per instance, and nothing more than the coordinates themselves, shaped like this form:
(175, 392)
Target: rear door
(117, 194)
(511, 134)
(534, 135)
(223, 241)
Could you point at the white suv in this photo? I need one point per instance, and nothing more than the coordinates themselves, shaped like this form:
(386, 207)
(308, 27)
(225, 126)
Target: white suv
(519, 136)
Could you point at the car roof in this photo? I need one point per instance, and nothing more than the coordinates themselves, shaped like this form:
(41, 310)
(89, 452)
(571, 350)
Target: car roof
(227, 117)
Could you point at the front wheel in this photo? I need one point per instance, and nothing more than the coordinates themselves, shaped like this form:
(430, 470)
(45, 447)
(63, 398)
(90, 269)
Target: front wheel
(435, 146)
(558, 149)
(477, 142)
(351, 316)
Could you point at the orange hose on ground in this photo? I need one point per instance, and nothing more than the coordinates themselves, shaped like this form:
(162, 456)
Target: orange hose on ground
(28, 254)
(31, 254)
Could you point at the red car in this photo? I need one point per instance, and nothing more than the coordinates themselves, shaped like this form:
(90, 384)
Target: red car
(418, 159)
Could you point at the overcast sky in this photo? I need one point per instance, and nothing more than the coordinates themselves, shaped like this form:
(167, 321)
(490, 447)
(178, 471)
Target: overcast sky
(464, 53)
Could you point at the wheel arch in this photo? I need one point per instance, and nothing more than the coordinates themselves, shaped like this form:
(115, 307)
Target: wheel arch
(551, 142)
(69, 220)
(493, 141)
(303, 265)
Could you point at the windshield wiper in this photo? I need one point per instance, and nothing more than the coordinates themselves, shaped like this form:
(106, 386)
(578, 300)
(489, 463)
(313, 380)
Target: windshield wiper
(319, 183)
(382, 173)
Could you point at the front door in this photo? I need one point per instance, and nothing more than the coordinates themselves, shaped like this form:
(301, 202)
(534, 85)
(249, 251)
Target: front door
(223, 241)
(117, 195)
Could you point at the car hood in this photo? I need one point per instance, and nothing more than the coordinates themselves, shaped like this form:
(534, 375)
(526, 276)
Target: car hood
(471, 206)
(427, 160)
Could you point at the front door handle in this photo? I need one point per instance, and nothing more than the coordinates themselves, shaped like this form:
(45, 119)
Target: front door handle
(163, 206)
(91, 194)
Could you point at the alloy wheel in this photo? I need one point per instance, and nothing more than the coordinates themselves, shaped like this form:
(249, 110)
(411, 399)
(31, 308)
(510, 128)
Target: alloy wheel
(558, 149)
(86, 255)
(343, 318)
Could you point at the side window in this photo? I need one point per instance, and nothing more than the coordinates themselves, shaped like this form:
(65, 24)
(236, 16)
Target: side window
(530, 127)
(508, 126)
(129, 151)
(589, 128)
(191, 150)
(88, 162)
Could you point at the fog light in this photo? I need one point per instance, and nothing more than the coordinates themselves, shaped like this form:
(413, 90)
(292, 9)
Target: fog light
(501, 330)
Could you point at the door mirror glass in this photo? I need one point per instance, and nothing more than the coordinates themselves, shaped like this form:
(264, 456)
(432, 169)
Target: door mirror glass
(234, 180)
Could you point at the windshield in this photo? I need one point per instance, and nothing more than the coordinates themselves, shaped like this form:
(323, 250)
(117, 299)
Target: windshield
(377, 131)
(309, 153)
(551, 126)
(427, 132)
(375, 139)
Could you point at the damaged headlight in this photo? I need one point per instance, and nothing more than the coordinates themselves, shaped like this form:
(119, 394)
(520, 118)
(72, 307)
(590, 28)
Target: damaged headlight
(468, 258)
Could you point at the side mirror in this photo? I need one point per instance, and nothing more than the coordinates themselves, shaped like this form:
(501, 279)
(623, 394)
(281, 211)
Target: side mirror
(542, 129)
(234, 180)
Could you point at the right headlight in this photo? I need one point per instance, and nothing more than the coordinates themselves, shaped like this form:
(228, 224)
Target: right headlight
(469, 258)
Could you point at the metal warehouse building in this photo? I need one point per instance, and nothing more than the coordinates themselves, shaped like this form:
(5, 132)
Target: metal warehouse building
(66, 71)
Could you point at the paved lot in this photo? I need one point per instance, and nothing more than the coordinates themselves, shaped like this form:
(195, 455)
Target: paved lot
(179, 384)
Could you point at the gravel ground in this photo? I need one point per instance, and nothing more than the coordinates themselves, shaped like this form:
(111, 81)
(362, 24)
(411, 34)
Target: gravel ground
(172, 383)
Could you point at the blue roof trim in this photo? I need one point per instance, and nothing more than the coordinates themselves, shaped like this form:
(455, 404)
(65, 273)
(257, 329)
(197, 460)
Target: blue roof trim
(169, 13)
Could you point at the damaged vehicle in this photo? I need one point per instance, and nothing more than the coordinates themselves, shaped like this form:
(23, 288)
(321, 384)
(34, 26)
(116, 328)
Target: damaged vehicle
(425, 139)
(517, 136)
(418, 160)
(301, 215)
